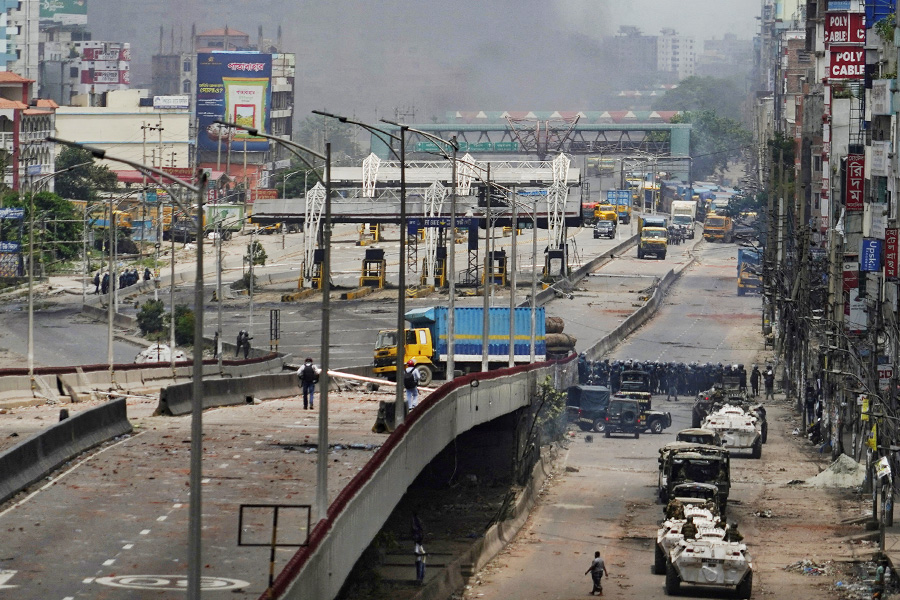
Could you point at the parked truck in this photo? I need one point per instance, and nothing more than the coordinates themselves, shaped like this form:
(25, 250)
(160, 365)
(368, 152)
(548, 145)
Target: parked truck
(684, 212)
(426, 340)
(748, 266)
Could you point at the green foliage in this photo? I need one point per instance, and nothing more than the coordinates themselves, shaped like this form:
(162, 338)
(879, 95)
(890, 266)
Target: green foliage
(84, 181)
(715, 140)
(58, 226)
(315, 131)
(150, 317)
(297, 180)
(184, 325)
(721, 96)
(885, 28)
(551, 403)
(258, 253)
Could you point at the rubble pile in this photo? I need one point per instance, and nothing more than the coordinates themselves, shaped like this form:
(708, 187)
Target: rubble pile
(842, 473)
(809, 567)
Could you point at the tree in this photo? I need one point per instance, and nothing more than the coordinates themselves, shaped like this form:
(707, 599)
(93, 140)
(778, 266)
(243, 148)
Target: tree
(315, 131)
(84, 181)
(150, 317)
(297, 180)
(57, 224)
(721, 96)
(715, 141)
(184, 325)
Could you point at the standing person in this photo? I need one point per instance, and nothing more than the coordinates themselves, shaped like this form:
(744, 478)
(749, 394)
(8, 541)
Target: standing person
(97, 282)
(754, 381)
(146, 273)
(597, 571)
(104, 284)
(216, 345)
(239, 343)
(411, 384)
(309, 377)
(247, 339)
(769, 381)
(418, 535)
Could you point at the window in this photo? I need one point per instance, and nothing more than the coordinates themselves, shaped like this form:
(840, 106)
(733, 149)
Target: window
(186, 86)
(73, 71)
(187, 66)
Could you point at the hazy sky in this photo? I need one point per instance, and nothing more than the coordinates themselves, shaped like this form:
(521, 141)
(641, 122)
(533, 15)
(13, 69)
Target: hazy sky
(373, 58)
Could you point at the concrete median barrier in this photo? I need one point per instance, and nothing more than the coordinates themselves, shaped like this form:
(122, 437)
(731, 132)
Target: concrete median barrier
(176, 399)
(32, 459)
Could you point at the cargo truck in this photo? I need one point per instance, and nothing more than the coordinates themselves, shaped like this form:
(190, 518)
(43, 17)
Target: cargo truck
(718, 228)
(684, 212)
(426, 340)
(748, 266)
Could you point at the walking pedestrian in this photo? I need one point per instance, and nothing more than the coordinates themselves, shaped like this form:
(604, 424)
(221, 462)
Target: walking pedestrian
(97, 282)
(597, 571)
(247, 339)
(104, 284)
(769, 381)
(754, 381)
(216, 345)
(309, 377)
(411, 384)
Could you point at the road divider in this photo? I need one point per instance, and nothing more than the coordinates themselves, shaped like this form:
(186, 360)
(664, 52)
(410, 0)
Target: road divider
(32, 459)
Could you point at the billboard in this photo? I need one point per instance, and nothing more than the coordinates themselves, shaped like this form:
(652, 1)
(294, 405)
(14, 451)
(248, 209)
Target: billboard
(65, 12)
(844, 27)
(856, 178)
(891, 253)
(847, 62)
(235, 87)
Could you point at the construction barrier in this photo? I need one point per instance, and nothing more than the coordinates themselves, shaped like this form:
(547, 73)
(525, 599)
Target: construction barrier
(176, 399)
(32, 459)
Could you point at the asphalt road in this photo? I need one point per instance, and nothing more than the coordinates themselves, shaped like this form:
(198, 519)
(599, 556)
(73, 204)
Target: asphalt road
(606, 499)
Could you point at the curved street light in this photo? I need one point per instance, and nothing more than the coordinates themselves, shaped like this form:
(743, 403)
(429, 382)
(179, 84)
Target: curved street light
(196, 462)
(322, 455)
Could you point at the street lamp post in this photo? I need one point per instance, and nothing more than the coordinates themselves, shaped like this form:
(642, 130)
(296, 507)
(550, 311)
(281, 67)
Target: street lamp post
(322, 455)
(196, 462)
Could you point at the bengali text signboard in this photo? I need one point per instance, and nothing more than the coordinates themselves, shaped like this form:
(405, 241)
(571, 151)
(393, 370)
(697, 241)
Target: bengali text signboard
(856, 174)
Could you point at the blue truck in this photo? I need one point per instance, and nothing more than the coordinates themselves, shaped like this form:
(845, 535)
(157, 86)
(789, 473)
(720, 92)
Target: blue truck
(748, 271)
(426, 340)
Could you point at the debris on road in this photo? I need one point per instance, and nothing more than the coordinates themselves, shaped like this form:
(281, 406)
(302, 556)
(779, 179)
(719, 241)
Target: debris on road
(809, 567)
(842, 473)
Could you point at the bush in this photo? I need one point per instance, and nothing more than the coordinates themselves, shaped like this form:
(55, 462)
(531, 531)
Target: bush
(150, 317)
(258, 253)
(244, 283)
(184, 325)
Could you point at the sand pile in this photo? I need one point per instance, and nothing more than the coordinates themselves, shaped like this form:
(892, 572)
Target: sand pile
(844, 472)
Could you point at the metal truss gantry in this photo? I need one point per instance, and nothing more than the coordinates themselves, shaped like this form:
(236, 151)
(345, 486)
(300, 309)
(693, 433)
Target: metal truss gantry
(542, 137)
(315, 205)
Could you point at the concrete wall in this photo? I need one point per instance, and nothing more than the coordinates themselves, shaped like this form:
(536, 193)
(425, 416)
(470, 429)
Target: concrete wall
(32, 459)
(360, 510)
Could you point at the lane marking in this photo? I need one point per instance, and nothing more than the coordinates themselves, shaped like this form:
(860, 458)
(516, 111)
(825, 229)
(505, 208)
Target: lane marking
(162, 518)
(127, 546)
(145, 532)
(109, 563)
(204, 480)
(177, 505)
(53, 481)
(88, 580)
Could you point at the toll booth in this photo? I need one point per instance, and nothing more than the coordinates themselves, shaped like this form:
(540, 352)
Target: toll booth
(318, 259)
(369, 233)
(373, 268)
(440, 269)
(498, 268)
(556, 262)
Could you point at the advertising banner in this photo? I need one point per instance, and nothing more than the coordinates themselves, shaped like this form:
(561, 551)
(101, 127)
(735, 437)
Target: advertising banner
(108, 52)
(870, 256)
(856, 177)
(115, 76)
(847, 62)
(9, 247)
(882, 97)
(262, 194)
(844, 27)
(234, 87)
(851, 275)
(881, 164)
(891, 253)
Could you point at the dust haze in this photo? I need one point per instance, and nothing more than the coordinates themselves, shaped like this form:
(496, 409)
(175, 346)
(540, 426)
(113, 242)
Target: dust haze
(423, 58)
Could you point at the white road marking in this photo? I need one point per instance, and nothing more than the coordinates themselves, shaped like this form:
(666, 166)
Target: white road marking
(223, 466)
(127, 546)
(88, 580)
(109, 563)
(162, 518)
(53, 481)
(177, 505)
(236, 456)
(204, 480)
(6, 575)
(145, 532)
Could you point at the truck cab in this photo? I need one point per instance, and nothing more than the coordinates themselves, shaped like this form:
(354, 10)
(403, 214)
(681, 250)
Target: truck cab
(718, 228)
(606, 212)
(418, 347)
(654, 240)
(748, 269)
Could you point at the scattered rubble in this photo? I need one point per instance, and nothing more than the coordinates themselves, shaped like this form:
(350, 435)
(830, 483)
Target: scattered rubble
(809, 567)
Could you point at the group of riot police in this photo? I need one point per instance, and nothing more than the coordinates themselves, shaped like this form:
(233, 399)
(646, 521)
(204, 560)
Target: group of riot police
(670, 378)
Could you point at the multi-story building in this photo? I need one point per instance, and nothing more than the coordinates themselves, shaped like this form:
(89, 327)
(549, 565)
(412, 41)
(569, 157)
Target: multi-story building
(90, 68)
(22, 33)
(24, 125)
(675, 54)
